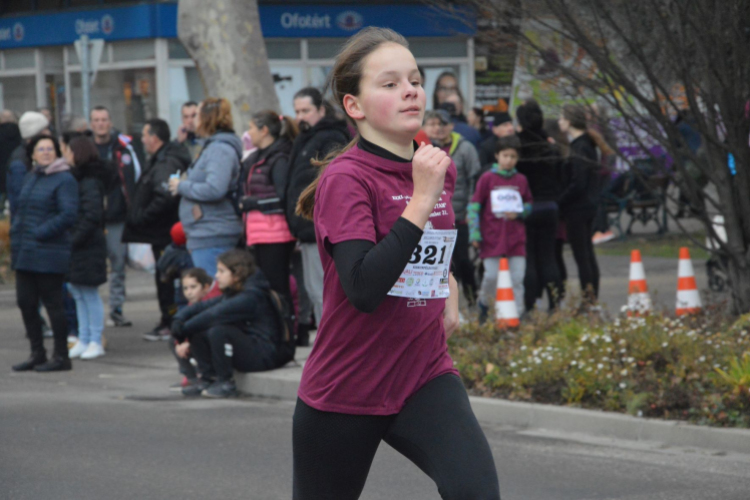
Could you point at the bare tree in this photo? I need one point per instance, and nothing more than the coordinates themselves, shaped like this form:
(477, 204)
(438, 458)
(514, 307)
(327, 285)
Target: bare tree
(659, 65)
(225, 41)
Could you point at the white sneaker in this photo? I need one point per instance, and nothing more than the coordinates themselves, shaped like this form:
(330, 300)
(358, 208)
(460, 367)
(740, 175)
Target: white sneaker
(77, 349)
(93, 350)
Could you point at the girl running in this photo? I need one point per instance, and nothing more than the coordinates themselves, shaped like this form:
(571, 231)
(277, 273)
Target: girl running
(380, 369)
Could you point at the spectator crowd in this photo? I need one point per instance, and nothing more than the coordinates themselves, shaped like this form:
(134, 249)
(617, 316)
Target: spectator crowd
(237, 272)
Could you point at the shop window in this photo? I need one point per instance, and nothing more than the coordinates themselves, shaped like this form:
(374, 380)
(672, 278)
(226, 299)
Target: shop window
(130, 96)
(323, 49)
(437, 48)
(136, 50)
(17, 93)
(19, 59)
(177, 50)
(53, 58)
(283, 49)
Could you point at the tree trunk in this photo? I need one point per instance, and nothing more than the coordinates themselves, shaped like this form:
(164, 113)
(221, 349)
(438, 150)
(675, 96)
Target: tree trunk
(224, 39)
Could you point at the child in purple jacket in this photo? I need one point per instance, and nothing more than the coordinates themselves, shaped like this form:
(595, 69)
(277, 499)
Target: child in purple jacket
(501, 201)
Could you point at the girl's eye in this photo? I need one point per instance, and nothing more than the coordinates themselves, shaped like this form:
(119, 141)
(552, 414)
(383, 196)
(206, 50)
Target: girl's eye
(416, 83)
(390, 85)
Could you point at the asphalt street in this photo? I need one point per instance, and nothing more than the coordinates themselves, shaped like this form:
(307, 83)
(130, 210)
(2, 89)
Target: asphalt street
(110, 429)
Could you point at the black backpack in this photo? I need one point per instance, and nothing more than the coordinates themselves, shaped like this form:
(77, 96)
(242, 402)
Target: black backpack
(286, 343)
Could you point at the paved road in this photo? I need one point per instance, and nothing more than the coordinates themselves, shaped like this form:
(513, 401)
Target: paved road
(109, 429)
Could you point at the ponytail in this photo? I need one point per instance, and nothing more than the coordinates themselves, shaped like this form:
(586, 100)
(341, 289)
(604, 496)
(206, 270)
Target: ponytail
(279, 126)
(598, 139)
(306, 202)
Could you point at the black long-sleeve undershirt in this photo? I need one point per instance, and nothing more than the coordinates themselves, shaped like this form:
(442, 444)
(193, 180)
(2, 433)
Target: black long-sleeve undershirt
(367, 271)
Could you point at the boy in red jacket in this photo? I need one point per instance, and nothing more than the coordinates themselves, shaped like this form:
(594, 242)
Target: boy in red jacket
(501, 200)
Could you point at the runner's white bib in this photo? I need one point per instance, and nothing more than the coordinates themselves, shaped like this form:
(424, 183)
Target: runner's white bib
(426, 275)
(506, 200)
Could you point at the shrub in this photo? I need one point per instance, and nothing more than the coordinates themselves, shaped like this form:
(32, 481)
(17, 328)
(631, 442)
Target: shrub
(691, 368)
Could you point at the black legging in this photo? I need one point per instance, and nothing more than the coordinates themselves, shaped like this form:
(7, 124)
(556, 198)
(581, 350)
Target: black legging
(436, 430)
(579, 226)
(32, 287)
(223, 348)
(275, 259)
(462, 263)
(541, 264)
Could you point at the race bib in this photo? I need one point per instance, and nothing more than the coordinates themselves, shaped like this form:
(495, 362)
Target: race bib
(427, 273)
(506, 200)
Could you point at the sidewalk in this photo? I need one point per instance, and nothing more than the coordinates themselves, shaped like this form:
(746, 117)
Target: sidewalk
(572, 423)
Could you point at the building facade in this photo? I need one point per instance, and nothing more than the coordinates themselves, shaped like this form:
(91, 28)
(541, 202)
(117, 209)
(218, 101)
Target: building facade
(145, 72)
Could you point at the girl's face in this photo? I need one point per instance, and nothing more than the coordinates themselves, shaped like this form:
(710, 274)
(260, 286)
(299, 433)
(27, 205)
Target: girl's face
(257, 135)
(44, 153)
(564, 124)
(224, 277)
(193, 290)
(391, 100)
(446, 86)
(507, 159)
(67, 154)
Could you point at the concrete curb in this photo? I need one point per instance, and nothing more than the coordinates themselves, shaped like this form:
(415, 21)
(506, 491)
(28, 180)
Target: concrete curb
(284, 383)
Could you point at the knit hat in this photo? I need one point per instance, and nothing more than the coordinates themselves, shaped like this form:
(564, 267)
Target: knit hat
(178, 235)
(500, 118)
(32, 123)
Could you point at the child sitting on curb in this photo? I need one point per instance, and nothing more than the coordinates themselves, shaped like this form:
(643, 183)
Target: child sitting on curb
(239, 330)
(501, 200)
(197, 286)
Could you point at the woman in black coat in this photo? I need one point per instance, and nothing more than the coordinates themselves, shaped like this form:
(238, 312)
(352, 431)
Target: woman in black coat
(580, 195)
(88, 266)
(46, 210)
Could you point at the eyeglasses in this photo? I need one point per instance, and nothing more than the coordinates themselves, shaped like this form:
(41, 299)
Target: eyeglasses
(447, 89)
(44, 150)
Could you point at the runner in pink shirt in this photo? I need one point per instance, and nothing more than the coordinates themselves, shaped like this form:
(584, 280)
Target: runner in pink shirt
(380, 369)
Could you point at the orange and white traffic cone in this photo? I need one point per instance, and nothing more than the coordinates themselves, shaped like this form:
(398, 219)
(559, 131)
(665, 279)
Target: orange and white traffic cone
(639, 300)
(506, 312)
(688, 298)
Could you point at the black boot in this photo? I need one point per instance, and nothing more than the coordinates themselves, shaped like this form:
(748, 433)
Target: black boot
(303, 335)
(37, 358)
(56, 364)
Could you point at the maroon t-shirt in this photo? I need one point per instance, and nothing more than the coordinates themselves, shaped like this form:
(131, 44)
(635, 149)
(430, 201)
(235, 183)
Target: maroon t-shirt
(500, 236)
(370, 364)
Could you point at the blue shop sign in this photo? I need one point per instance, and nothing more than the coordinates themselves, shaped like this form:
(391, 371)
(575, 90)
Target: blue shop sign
(292, 21)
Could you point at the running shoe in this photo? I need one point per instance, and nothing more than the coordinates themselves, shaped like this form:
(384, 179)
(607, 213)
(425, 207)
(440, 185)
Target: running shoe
(219, 389)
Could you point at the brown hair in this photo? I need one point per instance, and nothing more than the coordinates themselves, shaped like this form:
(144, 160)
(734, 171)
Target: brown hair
(278, 125)
(241, 263)
(84, 150)
(215, 114)
(198, 274)
(343, 80)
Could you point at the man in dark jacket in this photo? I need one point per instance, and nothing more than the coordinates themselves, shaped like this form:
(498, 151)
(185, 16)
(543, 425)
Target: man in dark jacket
(153, 210)
(320, 133)
(10, 139)
(116, 148)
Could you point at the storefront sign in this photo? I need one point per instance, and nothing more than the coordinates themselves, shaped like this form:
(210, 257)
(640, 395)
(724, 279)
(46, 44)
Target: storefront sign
(288, 20)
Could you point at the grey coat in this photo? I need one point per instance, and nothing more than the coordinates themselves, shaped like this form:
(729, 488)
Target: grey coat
(206, 209)
(467, 166)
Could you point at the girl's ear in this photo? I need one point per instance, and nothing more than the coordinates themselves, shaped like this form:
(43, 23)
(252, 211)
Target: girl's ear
(352, 107)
